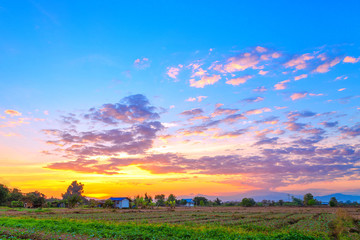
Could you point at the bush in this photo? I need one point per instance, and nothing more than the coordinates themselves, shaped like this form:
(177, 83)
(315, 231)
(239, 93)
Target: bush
(17, 204)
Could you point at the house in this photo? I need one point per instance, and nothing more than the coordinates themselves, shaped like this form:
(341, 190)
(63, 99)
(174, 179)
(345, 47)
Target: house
(189, 202)
(121, 202)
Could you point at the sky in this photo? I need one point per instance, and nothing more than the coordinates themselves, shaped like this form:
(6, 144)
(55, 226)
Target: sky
(183, 97)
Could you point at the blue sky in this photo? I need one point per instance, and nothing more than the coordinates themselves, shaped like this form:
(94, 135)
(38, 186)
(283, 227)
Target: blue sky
(227, 81)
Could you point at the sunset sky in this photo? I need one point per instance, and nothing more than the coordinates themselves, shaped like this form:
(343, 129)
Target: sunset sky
(183, 97)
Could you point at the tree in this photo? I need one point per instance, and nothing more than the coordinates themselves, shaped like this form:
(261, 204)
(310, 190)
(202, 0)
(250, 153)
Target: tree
(37, 198)
(297, 201)
(218, 201)
(281, 202)
(15, 195)
(108, 204)
(333, 202)
(73, 200)
(4, 193)
(309, 199)
(74, 193)
(74, 188)
(197, 200)
(248, 202)
(160, 200)
(171, 197)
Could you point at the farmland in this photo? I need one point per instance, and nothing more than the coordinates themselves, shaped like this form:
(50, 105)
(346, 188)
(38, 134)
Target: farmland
(182, 223)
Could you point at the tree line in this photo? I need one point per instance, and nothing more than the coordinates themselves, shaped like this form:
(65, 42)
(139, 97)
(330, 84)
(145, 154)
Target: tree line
(74, 197)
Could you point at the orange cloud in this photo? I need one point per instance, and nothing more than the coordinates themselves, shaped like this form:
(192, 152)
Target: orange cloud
(205, 80)
(297, 96)
(300, 77)
(12, 112)
(349, 59)
(239, 80)
(281, 85)
(341, 89)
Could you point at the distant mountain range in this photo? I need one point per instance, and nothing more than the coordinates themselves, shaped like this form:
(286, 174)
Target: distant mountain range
(276, 196)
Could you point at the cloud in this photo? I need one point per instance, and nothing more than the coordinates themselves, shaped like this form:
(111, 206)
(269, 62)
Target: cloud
(231, 134)
(193, 99)
(241, 62)
(173, 72)
(257, 111)
(341, 89)
(260, 49)
(293, 126)
(12, 112)
(293, 115)
(262, 72)
(226, 111)
(349, 59)
(239, 80)
(353, 131)
(267, 140)
(131, 109)
(299, 62)
(205, 80)
(260, 89)
(253, 99)
(329, 124)
(281, 85)
(142, 63)
(192, 112)
(296, 96)
(325, 67)
(300, 77)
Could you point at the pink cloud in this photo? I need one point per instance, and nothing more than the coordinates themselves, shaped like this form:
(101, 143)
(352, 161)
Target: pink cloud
(296, 96)
(262, 72)
(299, 62)
(142, 63)
(257, 111)
(193, 99)
(281, 85)
(341, 89)
(173, 72)
(325, 67)
(260, 49)
(300, 77)
(205, 80)
(239, 80)
(241, 63)
(349, 59)
(260, 89)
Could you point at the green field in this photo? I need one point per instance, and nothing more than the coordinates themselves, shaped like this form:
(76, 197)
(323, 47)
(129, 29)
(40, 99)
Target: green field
(182, 223)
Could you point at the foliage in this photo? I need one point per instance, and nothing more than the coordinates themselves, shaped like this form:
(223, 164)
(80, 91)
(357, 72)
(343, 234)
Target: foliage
(73, 194)
(309, 199)
(297, 201)
(248, 202)
(4, 193)
(160, 200)
(170, 204)
(218, 202)
(333, 202)
(171, 197)
(108, 204)
(17, 204)
(36, 198)
(197, 200)
(15, 195)
(73, 200)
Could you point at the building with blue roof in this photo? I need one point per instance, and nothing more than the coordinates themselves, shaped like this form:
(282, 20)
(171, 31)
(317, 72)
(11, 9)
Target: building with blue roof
(120, 202)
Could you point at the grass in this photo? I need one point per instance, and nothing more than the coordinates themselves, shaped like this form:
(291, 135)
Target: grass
(199, 223)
